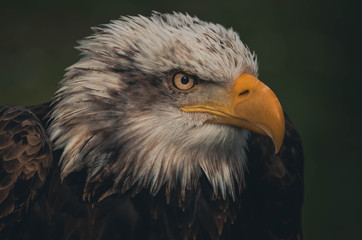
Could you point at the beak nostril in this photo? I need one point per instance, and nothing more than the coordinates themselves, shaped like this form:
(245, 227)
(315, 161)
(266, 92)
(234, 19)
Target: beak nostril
(244, 93)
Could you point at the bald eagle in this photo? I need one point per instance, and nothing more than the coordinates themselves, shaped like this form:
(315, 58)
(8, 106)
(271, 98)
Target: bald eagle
(160, 131)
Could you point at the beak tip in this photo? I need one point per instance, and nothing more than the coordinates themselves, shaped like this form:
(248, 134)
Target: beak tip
(277, 150)
(278, 139)
(277, 146)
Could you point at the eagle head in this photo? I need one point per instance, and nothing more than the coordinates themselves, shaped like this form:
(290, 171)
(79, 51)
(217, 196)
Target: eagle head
(160, 101)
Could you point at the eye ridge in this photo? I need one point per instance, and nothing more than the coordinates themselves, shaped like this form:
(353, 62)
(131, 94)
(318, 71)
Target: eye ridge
(183, 82)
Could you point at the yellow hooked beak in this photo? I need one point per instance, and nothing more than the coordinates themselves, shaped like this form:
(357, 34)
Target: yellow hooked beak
(252, 106)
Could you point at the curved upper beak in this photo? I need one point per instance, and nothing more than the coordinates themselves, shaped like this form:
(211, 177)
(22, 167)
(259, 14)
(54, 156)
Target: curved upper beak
(252, 106)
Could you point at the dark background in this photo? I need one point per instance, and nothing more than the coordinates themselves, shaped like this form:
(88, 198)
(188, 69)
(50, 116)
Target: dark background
(308, 53)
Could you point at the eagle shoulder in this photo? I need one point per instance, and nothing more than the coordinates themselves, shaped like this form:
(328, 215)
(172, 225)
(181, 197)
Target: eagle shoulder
(274, 186)
(25, 158)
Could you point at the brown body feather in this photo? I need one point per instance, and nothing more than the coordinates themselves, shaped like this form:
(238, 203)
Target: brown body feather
(269, 206)
(25, 158)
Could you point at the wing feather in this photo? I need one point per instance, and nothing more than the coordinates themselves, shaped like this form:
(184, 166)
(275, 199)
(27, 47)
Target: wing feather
(25, 158)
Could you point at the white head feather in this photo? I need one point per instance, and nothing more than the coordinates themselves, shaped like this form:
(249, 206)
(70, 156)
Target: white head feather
(111, 120)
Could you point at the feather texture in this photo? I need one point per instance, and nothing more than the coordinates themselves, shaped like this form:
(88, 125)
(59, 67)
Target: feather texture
(25, 157)
(269, 206)
(127, 163)
(116, 116)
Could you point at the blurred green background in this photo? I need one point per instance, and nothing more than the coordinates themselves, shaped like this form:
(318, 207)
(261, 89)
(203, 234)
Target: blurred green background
(308, 53)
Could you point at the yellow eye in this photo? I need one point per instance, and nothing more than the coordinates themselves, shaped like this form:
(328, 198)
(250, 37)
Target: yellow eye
(183, 82)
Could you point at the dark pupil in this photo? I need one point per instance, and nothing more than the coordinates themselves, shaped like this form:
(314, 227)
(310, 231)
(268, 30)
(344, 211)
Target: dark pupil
(185, 80)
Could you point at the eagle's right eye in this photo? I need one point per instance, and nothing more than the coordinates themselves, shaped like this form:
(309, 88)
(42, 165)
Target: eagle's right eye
(183, 82)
